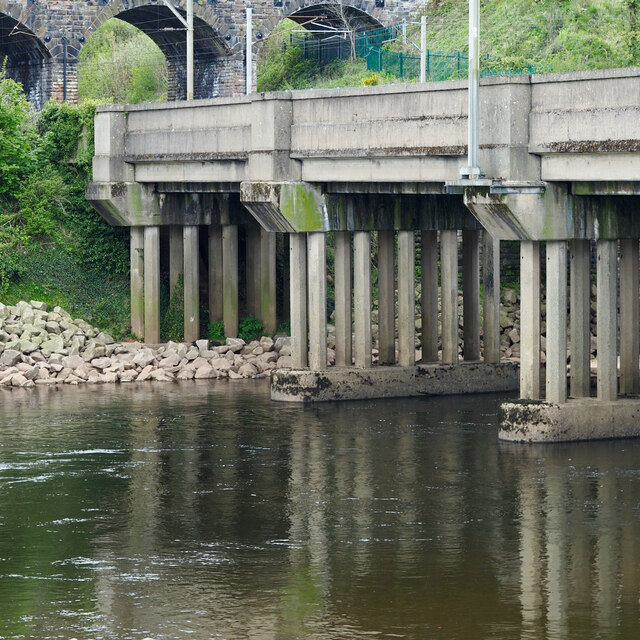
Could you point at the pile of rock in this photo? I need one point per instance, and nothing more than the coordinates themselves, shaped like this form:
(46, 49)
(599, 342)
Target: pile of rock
(41, 347)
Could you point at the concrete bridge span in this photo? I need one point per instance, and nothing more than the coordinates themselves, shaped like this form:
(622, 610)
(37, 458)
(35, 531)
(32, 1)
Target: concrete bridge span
(42, 39)
(560, 154)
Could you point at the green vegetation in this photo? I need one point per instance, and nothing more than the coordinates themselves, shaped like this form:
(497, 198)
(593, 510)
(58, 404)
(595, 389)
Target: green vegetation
(250, 329)
(53, 245)
(172, 327)
(120, 63)
(216, 331)
(516, 35)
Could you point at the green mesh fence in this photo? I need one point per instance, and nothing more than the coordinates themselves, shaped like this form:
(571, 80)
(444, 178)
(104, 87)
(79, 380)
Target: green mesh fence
(440, 66)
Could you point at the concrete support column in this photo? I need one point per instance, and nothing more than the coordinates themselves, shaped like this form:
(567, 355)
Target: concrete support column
(471, 294)
(268, 281)
(176, 256)
(530, 320)
(152, 285)
(607, 315)
(317, 282)
(191, 283)
(386, 298)
(252, 265)
(629, 317)
(491, 297)
(230, 280)
(406, 299)
(580, 308)
(449, 295)
(298, 297)
(343, 294)
(556, 379)
(136, 253)
(362, 297)
(429, 294)
(215, 273)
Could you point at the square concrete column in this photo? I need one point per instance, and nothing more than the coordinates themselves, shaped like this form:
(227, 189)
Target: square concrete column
(298, 297)
(406, 299)
(252, 265)
(580, 323)
(449, 295)
(152, 285)
(629, 320)
(606, 310)
(268, 280)
(556, 379)
(471, 294)
(215, 273)
(491, 297)
(530, 320)
(362, 298)
(343, 294)
(386, 298)
(317, 283)
(136, 256)
(230, 280)
(176, 256)
(191, 283)
(429, 295)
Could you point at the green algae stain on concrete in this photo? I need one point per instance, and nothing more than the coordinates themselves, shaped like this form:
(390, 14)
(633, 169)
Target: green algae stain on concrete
(302, 206)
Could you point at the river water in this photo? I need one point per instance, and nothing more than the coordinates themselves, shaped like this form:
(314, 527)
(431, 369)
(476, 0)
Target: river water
(206, 511)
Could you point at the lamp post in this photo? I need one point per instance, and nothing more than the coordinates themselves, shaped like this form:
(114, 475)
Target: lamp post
(472, 170)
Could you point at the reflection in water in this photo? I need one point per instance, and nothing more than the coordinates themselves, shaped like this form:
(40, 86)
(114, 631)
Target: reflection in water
(134, 512)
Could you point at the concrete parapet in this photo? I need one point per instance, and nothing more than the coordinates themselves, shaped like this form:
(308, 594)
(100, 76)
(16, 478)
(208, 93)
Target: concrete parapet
(302, 385)
(577, 419)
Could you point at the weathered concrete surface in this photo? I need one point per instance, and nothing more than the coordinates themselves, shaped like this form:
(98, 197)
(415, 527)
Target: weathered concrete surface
(579, 419)
(301, 385)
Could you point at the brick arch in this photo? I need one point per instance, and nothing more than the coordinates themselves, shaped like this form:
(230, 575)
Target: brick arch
(28, 58)
(214, 57)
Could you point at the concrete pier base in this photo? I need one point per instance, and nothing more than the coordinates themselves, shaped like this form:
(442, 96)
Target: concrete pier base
(303, 385)
(576, 419)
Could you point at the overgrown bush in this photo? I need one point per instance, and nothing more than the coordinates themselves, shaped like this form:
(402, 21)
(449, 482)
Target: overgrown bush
(250, 329)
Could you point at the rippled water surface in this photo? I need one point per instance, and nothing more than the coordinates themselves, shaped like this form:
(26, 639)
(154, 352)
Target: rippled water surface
(206, 511)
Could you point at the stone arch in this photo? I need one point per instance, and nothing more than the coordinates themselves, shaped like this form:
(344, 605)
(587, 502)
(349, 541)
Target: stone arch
(215, 57)
(27, 57)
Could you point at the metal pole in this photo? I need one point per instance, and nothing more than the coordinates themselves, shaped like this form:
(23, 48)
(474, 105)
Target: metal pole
(404, 31)
(423, 49)
(474, 77)
(248, 72)
(189, 49)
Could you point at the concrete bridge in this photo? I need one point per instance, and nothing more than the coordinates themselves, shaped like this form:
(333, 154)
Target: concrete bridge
(561, 156)
(42, 39)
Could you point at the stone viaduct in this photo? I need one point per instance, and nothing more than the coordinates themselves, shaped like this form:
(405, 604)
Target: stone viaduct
(42, 39)
(214, 179)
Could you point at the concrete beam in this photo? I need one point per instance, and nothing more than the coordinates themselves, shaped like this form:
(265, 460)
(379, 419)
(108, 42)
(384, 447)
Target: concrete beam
(268, 281)
(336, 383)
(215, 272)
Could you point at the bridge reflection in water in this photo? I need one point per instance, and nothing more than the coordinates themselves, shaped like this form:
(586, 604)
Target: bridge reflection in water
(137, 513)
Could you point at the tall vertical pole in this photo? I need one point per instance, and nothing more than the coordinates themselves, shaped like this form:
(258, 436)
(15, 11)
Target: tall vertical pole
(423, 49)
(472, 170)
(248, 65)
(189, 49)
(404, 31)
